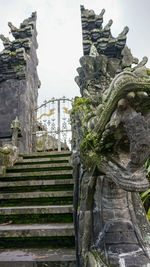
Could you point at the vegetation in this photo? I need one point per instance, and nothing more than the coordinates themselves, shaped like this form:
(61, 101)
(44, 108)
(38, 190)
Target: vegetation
(148, 71)
(145, 196)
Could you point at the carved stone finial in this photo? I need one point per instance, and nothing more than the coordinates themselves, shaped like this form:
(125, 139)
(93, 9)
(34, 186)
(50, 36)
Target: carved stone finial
(101, 37)
(12, 27)
(4, 39)
(124, 32)
(143, 62)
(102, 12)
(107, 27)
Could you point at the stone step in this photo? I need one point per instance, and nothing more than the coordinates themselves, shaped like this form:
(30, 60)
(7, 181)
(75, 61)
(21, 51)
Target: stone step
(47, 154)
(34, 214)
(40, 194)
(37, 257)
(38, 167)
(37, 210)
(37, 183)
(42, 160)
(43, 174)
(37, 230)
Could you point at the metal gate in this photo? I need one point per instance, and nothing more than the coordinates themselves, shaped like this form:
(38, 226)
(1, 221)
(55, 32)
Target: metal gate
(53, 125)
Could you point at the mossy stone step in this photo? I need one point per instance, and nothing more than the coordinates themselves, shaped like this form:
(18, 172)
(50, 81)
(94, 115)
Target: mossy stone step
(36, 183)
(46, 154)
(34, 218)
(44, 201)
(38, 242)
(37, 210)
(43, 188)
(39, 194)
(39, 167)
(37, 258)
(34, 214)
(37, 205)
(43, 174)
(37, 230)
(42, 160)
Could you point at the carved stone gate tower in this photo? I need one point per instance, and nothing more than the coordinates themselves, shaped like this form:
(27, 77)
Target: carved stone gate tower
(19, 82)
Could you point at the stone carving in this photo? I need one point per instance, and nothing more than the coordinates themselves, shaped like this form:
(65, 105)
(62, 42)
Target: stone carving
(4, 39)
(16, 131)
(111, 142)
(8, 155)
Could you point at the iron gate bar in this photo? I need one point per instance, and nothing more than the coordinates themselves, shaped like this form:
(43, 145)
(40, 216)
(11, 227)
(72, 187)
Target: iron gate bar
(52, 100)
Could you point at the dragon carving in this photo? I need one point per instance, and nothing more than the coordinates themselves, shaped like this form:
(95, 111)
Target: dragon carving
(111, 143)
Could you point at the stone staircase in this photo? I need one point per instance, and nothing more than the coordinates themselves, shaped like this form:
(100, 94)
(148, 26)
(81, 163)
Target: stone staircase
(36, 212)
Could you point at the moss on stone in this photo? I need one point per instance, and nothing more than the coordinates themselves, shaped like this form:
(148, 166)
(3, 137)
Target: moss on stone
(98, 258)
(19, 67)
(49, 168)
(34, 218)
(37, 242)
(44, 188)
(37, 201)
(34, 177)
(148, 71)
(13, 53)
(81, 102)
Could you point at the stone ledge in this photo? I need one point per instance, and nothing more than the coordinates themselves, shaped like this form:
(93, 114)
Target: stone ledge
(38, 166)
(37, 230)
(41, 160)
(36, 182)
(40, 194)
(31, 258)
(37, 174)
(37, 210)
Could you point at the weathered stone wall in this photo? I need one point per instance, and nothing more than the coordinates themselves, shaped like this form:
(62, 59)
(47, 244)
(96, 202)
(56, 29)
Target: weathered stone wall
(19, 83)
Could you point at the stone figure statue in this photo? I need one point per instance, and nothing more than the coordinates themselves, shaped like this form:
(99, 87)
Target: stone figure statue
(111, 143)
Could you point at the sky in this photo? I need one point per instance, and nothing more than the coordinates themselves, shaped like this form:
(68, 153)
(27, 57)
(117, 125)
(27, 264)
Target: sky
(60, 37)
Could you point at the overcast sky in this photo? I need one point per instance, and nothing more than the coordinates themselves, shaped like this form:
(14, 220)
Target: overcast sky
(60, 37)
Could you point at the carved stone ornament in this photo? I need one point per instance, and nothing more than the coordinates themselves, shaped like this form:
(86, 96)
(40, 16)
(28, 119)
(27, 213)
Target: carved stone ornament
(111, 143)
(16, 130)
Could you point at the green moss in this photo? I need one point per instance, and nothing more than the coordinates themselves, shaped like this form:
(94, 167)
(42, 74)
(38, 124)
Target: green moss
(39, 155)
(148, 71)
(89, 142)
(41, 162)
(82, 106)
(98, 258)
(35, 176)
(37, 201)
(37, 218)
(37, 242)
(81, 102)
(13, 53)
(39, 169)
(45, 188)
(94, 147)
(19, 67)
